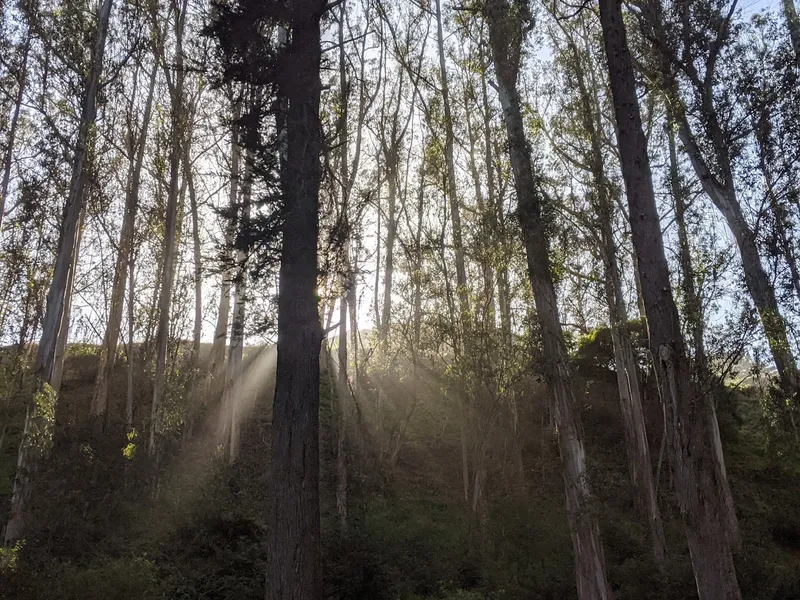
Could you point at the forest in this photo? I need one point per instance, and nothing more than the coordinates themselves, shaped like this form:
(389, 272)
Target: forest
(399, 299)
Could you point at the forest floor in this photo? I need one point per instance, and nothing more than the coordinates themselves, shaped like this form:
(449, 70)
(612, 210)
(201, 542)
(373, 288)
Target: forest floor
(100, 533)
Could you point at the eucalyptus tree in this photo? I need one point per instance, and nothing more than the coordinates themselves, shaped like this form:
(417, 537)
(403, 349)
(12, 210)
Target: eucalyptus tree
(508, 25)
(59, 294)
(689, 418)
(136, 139)
(691, 43)
(175, 76)
(581, 142)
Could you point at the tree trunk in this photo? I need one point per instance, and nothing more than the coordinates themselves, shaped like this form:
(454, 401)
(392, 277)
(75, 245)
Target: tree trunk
(638, 448)
(221, 331)
(506, 34)
(233, 381)
(342, 394)
(197, 257)
(391, 233)
(293, 548)
(57, 296)
(63, 332)
(108, 349)
(462, 341)
(342, 381)
(696, 483)
(793, 23)
(696, 319)
(131, 351)
(177, 134)
(22, 82)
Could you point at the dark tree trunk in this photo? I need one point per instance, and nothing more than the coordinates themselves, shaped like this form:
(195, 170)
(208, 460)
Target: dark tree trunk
(293, 560)
(793, 23)
(690, 422)
(174, 201)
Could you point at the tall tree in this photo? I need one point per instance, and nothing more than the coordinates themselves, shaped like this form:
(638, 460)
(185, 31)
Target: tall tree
(293, 568)
(137, 142)
(508, 24)
(689, 419)
(711, 152)
(175, 77)
(60, 289)
(602, 205)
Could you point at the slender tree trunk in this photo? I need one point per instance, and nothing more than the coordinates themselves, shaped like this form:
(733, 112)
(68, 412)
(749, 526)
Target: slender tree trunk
(342, 382)
(391, 233)
(793, 23)
(233, 382)
(293, 567)
(22, 82)
(221, 331)
(342, 394)
(689, 420)
(63, 332)
(177, 134)
(455, 206)
(638, 448)
(462, 341)
(506, 32)
(108, 349)
(486, 311)
(57, 296)
(495, 218)
(696, 319)
(198, 264)
(131, 349)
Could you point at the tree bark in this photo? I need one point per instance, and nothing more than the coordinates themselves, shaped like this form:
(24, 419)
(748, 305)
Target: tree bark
(506, 32)
(690, 425)
(293, 559)
(793, 24)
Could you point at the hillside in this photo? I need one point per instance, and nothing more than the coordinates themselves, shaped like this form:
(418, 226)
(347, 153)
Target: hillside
(101, 532)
